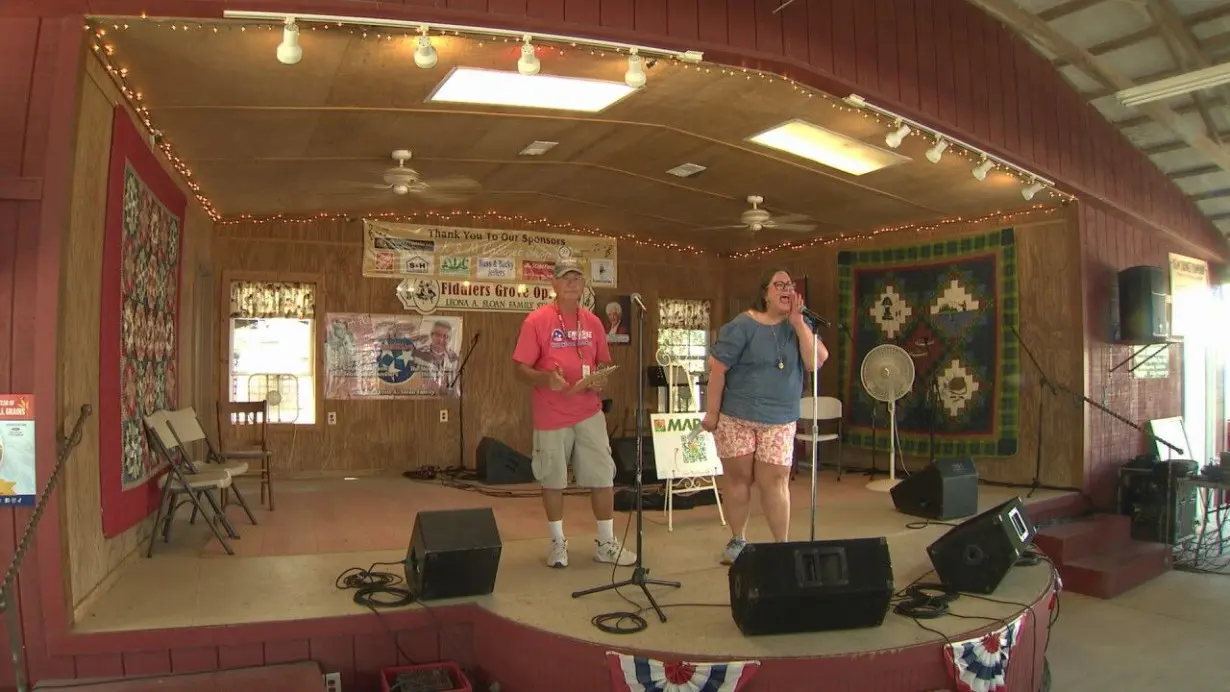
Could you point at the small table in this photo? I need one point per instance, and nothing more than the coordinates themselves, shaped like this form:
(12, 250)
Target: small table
(1215, 501)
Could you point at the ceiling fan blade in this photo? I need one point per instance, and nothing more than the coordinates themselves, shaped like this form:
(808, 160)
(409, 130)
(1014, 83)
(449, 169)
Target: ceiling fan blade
(718, 228)
(804, 227)
(790, 218)
(353, 185)
(453, 185)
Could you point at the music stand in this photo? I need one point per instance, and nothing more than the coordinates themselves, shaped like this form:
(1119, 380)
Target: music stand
(640, 575)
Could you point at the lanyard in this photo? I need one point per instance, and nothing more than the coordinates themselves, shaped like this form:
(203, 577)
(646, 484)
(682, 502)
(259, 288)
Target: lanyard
(576, 334)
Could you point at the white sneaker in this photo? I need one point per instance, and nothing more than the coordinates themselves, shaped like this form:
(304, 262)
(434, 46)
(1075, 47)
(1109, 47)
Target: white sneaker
(612, 553)
(557, 554)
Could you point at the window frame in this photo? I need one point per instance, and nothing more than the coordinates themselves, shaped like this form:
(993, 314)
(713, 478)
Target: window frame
(225, 355)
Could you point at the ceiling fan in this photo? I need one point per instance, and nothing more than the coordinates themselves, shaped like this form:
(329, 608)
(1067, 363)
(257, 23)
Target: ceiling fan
(402, 180)
(757, 219)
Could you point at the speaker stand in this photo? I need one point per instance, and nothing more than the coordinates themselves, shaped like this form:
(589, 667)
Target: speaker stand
(461, 402)
(640, 575)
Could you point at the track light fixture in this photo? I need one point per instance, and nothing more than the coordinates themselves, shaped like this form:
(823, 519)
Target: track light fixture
(1030, 190)
(289, 52)
(937, 150)
(635, 76)
(980, 171)
(528, 63)
(896, 137)
(425, 55)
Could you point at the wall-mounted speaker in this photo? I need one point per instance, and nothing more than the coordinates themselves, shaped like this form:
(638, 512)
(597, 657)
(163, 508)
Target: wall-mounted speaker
(1142, 305)
(811, 586)
(975, 556)
(453, 553)
(947, 489)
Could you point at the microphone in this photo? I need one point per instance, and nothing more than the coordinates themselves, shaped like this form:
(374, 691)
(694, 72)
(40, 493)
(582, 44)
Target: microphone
(809, 314)
(636, 298)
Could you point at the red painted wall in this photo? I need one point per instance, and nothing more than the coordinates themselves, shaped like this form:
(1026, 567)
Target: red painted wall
(942, 62)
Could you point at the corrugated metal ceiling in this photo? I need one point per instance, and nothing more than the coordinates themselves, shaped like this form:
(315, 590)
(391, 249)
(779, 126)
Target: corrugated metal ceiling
(1142, 41)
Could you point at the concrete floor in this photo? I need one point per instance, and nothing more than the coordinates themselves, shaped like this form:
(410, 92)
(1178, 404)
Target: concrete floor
(1168, 634)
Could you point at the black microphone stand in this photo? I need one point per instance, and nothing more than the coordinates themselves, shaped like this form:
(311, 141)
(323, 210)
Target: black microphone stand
(640, 575)
(461, 401)
(935, 406)
(1047, 385)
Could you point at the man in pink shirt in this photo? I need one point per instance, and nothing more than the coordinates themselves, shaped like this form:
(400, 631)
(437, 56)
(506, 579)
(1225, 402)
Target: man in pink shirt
(560, 344)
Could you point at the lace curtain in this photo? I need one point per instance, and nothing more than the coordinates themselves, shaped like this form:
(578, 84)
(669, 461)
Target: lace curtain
(684, 314)
(265, 299)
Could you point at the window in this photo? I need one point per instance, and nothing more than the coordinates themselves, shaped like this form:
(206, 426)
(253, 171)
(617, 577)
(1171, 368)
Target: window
(683, 339)
(273, 348)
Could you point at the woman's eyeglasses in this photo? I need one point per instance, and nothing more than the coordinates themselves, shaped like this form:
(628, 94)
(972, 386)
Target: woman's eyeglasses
(783, 286)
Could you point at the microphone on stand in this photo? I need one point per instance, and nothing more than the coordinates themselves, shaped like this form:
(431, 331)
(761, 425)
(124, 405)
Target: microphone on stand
(811, 315)
(636, 298)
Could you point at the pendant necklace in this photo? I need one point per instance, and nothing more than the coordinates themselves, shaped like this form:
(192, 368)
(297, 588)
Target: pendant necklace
(781, 361)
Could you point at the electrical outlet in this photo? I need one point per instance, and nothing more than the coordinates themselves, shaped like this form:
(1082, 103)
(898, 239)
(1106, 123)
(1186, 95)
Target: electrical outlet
(333, 681)
(443, 415)
(331, 417)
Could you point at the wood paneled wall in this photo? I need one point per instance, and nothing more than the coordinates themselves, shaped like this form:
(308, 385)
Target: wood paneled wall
(398, 435)
(1111, 243)
(1048, 246)
(91, 557)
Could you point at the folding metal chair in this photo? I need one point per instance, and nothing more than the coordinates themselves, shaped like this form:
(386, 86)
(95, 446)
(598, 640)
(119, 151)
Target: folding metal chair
(181, 483)
(186, 428)
(827, 408)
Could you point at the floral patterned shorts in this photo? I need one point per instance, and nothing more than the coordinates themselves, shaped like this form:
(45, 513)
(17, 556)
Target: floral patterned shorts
(771, 444)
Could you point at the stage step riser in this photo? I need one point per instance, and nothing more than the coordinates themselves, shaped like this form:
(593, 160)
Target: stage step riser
(1081, 538)
(1109, 574)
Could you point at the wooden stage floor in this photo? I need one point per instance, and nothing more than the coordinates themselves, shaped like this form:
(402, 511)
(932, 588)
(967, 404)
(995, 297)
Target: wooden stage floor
(279, 575)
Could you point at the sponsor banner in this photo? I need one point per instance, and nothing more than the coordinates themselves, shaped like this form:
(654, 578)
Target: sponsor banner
(403, 249)
(391, 356)
(427, 296)
(681, 449)
(17, 458)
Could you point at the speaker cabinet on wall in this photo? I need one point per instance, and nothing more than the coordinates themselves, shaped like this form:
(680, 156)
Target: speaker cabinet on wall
(453, 553)
(498, 464)
(811, 586)
(975, 556)
(947, 489)
(1142, 305)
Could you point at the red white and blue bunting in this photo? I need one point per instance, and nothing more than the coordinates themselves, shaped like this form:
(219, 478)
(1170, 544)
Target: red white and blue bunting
(981, 664)
(639, 674)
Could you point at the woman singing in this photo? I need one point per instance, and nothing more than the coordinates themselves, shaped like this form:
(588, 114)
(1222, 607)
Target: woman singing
(755, 384)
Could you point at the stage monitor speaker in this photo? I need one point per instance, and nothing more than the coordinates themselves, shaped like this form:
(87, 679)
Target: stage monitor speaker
(811, 586)
(975, 556)
(623, 450)
(453, 553)
(498, 464)
(1142, 304)
(947, 489)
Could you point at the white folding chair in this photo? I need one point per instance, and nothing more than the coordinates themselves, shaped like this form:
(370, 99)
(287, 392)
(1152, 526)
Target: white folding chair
(822, 409)
(186, 428)
(182, 480)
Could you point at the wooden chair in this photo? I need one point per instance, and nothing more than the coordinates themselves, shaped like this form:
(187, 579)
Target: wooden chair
(182, 483)
(249, 420)
(186, 428)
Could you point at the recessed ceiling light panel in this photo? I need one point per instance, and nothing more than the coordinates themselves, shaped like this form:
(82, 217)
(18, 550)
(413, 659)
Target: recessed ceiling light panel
(827, 148)
(514, 90)
(686, 170)
(538, 148)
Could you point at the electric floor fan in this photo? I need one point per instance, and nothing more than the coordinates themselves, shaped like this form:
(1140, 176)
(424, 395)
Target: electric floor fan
(888, 375)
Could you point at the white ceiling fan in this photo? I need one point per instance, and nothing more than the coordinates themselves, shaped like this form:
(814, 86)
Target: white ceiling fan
(403, 180)
(757, 219)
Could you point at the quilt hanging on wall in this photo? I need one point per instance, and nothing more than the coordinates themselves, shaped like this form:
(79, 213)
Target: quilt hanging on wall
(952, 306)
(139, 322)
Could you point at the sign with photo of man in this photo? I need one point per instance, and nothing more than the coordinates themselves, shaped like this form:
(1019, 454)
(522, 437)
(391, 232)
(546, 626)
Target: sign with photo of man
(391, 356)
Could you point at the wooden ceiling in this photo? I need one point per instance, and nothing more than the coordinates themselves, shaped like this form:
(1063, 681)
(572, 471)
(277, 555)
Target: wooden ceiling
(263, 138)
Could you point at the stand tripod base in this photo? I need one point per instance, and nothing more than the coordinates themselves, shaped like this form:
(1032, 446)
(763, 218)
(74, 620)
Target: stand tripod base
(883, 485)
(640, 577)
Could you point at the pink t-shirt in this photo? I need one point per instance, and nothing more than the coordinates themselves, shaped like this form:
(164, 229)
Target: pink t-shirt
(550, 340)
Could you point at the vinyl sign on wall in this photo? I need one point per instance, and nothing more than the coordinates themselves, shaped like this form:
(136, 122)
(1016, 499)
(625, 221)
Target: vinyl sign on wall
(427, 296)
(480, 254)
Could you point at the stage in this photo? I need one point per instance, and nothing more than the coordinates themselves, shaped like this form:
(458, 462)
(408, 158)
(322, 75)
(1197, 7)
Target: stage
(283, 574)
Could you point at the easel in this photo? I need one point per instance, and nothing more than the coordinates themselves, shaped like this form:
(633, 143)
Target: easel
(677, 376)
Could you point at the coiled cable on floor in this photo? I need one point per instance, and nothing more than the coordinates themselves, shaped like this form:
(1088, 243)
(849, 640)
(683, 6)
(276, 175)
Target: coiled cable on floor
(376, 589)
(925, 601)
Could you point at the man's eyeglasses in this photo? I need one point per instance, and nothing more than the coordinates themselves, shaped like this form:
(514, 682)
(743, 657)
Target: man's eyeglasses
(783, 286)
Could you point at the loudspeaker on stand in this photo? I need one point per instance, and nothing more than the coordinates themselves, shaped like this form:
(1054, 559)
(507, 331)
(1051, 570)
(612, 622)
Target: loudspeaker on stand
(975, 556)
(811, 586)
(453, 553)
